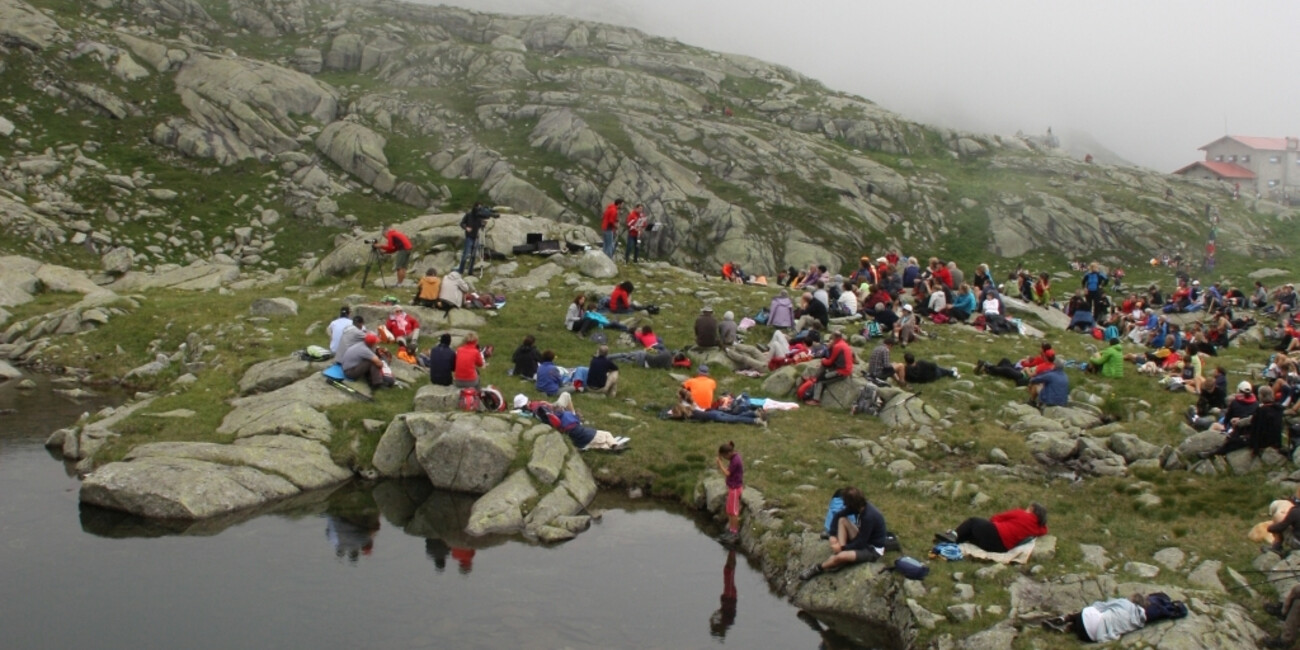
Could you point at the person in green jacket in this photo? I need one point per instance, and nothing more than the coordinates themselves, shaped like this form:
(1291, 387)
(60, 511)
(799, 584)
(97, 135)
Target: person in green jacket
(1110, 361)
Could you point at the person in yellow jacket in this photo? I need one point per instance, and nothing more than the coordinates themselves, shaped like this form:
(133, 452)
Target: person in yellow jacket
(1109, 362)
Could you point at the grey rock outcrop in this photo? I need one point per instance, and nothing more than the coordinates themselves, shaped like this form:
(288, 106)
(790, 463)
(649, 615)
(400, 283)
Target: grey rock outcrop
(274, 307)
(501, 509)
(181, 488)
(359, 151)
(274, 373)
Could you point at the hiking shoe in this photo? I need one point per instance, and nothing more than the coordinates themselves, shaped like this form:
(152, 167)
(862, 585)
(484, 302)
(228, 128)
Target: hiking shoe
(812, 402)
(1057, 623)
(811, 572)
(1275, 609)
(949, 536)
(956, 374)
(980, 366)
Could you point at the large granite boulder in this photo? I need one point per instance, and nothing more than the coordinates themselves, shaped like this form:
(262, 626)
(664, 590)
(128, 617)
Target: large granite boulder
(275, 373)
(1133, 448)
(359, 151)
(594, 264)
(549, 452)
(274, 307)
(23, 25)
(501, 509)
(395, 453)
(434, 398)
(181, 488)
(465, 452)
(860, 590)
(305, 463)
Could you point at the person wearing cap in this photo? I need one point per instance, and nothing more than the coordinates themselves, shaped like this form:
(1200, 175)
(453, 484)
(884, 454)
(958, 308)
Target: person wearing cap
(907, 329)
(1241, 406)
(706, 329)
(780, 312)
(602, 374)
(1261, 430)
(360, 361)
(701, 388)
(468, 360)
(851, 544)
(337, 326)
(442, 362)
(836, 366)
(1109, 362)
(564, 402)
(401, 325)
(1050, 388)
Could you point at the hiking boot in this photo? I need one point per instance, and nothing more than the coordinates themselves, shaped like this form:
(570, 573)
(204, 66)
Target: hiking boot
(1275, 609)
(1057, 623)
(980, 366)
(949, 536)
(811, 572)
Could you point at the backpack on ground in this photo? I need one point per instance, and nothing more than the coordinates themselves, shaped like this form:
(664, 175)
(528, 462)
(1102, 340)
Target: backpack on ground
(868, 401)
(909, 568)
(492, 399)
(948, 551)
(1159, 606)
(891, 542)
(470, 400)
(804, 392)
(762, 316)
(872, 330)
(315, 353)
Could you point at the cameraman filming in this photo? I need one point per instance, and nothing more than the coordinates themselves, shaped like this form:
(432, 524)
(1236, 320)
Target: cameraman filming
(399, 245)
(472, 223)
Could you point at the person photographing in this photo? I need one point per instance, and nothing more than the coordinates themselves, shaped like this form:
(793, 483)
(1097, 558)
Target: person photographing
(397, 244)
(472, 223)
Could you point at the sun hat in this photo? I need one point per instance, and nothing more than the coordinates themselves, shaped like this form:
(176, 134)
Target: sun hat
(1244, 387)
(521, 401)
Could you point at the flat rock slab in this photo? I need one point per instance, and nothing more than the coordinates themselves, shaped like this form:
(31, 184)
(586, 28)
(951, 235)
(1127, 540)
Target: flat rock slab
(273, 307)
(270, 418)
(200, 276)
(180, 488)
(274, 374)
(557, 503)
(313, 390)
(305, 464)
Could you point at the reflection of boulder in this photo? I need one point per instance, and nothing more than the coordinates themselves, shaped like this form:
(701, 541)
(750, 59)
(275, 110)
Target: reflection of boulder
(444, 516)
(116, 524)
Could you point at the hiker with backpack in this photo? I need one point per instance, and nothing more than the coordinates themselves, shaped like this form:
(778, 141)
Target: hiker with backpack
(852, 543)
(1001, 532)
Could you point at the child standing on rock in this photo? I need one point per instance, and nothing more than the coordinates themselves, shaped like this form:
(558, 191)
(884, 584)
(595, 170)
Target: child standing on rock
(731, 466)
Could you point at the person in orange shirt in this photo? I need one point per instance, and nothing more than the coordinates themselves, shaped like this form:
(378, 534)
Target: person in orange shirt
(701, 387)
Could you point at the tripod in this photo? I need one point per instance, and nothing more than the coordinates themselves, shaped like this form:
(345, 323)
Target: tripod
(482, 246)
(377, 262)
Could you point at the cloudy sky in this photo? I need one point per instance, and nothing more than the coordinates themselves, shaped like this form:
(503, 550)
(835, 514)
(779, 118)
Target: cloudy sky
(1150, 80)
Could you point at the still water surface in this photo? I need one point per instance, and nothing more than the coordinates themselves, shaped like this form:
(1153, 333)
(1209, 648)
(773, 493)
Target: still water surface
(366, 565)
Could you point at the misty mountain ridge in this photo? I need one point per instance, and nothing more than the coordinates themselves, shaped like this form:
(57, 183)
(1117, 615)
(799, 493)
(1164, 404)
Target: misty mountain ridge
(256, 131)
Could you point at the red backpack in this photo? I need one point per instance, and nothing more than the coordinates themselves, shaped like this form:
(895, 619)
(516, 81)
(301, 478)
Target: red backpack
(470, 400)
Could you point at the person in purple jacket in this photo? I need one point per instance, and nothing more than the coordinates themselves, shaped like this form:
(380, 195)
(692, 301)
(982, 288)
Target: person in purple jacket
(731, 466)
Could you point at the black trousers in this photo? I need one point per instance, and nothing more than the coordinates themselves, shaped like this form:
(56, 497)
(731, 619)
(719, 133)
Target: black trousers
(982, 533)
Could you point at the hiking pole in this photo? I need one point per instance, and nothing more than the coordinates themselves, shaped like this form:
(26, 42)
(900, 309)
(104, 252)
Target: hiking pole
(1264, 582)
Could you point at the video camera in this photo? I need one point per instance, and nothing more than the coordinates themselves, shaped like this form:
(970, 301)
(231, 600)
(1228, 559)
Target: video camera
(371, 241)
(484, 212)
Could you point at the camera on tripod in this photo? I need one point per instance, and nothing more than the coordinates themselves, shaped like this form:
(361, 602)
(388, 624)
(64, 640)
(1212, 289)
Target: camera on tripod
(484, 212)
(371, 241)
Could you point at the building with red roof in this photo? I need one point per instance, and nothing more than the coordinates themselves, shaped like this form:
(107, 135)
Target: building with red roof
(1266, 166)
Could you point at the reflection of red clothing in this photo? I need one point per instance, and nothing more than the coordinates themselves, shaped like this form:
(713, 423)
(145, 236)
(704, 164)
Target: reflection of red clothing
(464, 557)
(609, 221)
(619, 300)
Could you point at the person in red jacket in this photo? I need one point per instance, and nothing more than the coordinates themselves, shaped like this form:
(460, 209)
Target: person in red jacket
(1001, 533)
(620, 299)
(636, 224)
(609, 227)
(837, 366)
(940, 270)
(401, 326)
(468, 360)
(398, 245)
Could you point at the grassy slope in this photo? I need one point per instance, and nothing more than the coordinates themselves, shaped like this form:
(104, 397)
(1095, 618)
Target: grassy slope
(1204, 516)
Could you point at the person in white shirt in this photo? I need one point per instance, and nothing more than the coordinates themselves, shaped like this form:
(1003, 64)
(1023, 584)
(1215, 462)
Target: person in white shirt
(336, 327)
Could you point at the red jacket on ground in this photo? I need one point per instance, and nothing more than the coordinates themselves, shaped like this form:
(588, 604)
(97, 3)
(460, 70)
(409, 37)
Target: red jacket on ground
(468, 361)
(1015, 525)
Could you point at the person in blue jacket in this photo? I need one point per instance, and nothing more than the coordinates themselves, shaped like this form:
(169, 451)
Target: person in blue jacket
(549, 378)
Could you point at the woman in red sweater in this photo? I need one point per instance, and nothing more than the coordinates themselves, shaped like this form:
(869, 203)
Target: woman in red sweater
(1001, 533)
(620, 299)
(468, 360)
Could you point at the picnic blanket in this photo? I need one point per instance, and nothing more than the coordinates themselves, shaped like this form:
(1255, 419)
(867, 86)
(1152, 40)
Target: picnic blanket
(1018, 555)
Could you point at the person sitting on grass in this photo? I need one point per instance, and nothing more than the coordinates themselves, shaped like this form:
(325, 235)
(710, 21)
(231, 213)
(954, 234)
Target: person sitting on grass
(429, 293)
(526, 358)
(550, 381)
(879, 368)
(602, 374)
(701, 387)
(963, 304)
(1109, 362)
(851, 544)
(1051, 387)
(920, 371)
(1043, 290)
(1001, 532)
(442, 362)
(620, 299)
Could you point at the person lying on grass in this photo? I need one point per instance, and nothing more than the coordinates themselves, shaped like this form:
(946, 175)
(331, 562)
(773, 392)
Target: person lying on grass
(1001, 532)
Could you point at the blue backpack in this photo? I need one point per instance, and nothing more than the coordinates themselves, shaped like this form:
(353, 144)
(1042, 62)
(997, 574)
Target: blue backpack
(948, 551)
(1159, 605)
(910, 568)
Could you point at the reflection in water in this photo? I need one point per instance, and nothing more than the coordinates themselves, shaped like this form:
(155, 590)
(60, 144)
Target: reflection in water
(725, 617)
(352, 521)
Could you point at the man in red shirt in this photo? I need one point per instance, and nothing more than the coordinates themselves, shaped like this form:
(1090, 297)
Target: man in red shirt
(399, 246)
(837, 366)
(636, 222)
(940, 271)
(609, 226)
(468, 360)
(401, 326)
